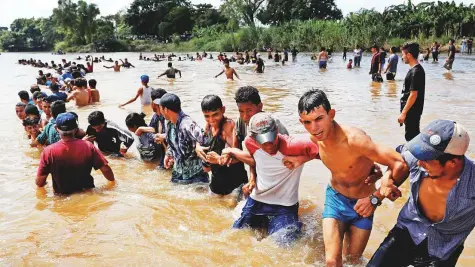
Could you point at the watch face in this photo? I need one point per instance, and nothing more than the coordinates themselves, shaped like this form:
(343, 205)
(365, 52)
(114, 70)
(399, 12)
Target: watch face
(374, 200)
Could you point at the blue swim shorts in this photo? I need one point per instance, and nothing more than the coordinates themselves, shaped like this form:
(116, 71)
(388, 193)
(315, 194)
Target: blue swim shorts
(281, 221)
(339, 207)
(322, 64)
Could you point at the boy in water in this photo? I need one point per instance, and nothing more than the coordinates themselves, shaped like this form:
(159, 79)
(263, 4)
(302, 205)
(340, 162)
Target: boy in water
(260, 67)
(80, 94)
(144, 92)
(230, 72)
(95, 96)
(32, 127)
(219, 135)
(350, 64)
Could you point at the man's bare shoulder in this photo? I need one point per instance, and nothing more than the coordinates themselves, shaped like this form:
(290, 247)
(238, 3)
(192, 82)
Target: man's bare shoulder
(355, 136)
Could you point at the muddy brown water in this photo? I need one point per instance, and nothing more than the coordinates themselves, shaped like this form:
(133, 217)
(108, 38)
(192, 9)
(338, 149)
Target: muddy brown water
(145, 220)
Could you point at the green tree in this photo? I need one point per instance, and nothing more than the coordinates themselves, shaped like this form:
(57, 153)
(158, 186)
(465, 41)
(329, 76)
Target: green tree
(205, 15)
(244, 11)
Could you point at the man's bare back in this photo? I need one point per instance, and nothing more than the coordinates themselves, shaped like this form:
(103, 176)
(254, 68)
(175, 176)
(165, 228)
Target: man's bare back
(348, 167)
(229, 73)
(81, 97)
(95, 96)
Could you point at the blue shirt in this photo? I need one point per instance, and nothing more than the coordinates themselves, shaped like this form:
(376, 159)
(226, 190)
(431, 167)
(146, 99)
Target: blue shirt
(49, 135)
(67, 75)
(393, 59)
(445, 236)
(156, 121)
(58, 96)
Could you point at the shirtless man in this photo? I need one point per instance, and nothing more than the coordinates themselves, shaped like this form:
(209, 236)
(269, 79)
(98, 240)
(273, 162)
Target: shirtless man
(322, 59)
(80, 94)
(230, 72)
(170, 72)
(351, 199)
(95, 96)
(144, 92)
(116, 66)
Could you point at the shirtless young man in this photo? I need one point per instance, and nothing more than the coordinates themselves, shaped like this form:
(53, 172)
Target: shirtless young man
(170, 72)
(230, 72)
(116, 66)
(144, 92)
(322, 58)
(80, 94)
(95, 96)
(350, 155)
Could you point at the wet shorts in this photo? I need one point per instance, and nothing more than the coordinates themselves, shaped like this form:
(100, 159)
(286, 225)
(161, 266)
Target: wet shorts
(199, 178)
(282, 222)
(322, 64)
(339, 207)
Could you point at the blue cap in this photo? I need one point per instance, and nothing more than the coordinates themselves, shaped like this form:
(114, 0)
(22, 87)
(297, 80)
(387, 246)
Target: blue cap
(66, 122)
(144, 78)
(438, 138)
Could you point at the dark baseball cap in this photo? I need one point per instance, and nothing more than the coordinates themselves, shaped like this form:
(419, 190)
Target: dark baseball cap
(66, 121)
(438, 138)
(171, 102)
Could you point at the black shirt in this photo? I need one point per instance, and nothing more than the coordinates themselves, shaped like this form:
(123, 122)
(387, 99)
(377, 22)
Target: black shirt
(260, 64)
(109, 139)
(452, 52)
(415, 81)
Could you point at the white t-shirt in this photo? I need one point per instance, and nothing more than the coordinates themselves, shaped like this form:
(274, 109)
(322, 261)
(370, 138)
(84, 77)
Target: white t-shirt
(275, 184)
(357, 52)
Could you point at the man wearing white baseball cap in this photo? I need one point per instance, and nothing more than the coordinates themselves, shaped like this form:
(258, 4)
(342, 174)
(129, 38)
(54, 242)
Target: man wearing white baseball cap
(438, 216)
(273, 204)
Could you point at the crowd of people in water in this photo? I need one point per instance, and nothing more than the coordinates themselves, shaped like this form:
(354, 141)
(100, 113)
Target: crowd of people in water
(431, 228)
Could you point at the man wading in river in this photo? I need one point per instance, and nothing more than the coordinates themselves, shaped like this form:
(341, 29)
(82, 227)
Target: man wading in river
(350, 155)
(439, 215)
(71, 160)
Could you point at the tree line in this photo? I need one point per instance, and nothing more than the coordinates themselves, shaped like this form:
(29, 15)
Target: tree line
(236, 24)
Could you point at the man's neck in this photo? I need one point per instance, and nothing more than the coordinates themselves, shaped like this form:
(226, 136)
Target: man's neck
(412, 63)
(332, 134)
(67, 138)
(174, 118)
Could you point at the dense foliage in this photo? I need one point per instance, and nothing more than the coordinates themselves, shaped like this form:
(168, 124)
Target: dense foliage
(237, 24)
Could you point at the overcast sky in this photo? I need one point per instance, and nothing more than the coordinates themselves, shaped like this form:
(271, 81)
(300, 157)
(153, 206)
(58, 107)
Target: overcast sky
(43, 8)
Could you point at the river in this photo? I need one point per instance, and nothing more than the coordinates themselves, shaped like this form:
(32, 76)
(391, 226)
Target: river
(145, 220)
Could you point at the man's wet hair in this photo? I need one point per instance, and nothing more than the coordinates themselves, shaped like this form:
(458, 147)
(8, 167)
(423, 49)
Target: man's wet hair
(394, 49)
(444, 158)
(135, 120)
(48, 75)
(38, 95)
(157, 93)
(54, 87)
(31, 121)
(35, 88)
(80, 82)
(247, 94)
(96, 118)
(170, 64)
(92, 83)
(58, 107)
(24, 95)
(411, 48)
(20, 104)
(211, 103)
(313, 99)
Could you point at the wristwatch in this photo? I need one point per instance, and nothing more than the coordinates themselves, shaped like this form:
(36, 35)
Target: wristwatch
(374, 201)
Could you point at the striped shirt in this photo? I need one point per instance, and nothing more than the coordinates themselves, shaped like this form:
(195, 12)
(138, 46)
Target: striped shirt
(445, 236)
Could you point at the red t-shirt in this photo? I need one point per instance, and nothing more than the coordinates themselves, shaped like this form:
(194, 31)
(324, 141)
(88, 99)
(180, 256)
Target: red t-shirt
(70, 164)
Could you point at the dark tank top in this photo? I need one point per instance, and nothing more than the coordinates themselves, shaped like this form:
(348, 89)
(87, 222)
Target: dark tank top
(224, 179)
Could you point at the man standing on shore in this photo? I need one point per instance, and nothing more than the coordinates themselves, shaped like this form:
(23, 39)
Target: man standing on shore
(413, 93)
(450, 60)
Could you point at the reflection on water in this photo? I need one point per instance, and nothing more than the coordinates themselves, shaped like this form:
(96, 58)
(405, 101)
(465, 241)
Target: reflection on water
(144, 220)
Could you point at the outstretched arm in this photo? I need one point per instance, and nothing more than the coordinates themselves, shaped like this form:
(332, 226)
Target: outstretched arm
(219, 74)
(107, 172)
(165, 73)
(139, 93)
(179, 71)
(235, 73)
(108, 67)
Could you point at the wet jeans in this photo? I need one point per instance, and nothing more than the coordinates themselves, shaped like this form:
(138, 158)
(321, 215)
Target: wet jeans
(398, 250)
